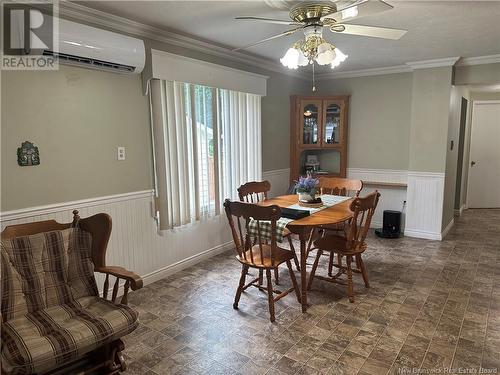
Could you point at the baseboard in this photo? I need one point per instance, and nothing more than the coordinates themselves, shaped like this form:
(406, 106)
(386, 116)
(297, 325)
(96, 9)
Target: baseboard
(448, 228)
(422, 234)
(185, 263)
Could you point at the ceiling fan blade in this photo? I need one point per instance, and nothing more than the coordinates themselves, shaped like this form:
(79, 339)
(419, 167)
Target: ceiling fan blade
(375, 32)
(268, 20)
(286, 33)
(360, 9)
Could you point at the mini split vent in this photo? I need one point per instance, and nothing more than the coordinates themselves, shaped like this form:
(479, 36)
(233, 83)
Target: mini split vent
(85, 61)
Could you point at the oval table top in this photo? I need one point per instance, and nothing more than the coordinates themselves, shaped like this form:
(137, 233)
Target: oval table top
(331, 215)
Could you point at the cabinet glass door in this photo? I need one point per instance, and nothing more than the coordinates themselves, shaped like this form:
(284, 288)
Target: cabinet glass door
(311, 117)
(333, 125)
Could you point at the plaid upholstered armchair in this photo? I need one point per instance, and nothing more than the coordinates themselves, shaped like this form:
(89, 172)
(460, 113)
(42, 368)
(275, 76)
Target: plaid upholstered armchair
(53, 319)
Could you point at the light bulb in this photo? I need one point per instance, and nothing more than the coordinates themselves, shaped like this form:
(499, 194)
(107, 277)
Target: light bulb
(291, 59)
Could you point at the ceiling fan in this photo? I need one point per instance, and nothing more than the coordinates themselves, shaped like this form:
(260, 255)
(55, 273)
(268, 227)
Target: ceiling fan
(312, 17)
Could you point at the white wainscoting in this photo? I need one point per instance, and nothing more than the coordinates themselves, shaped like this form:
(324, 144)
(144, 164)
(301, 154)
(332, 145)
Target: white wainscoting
(425, 205)
(391, 197)
(279, 179)
(135, 242)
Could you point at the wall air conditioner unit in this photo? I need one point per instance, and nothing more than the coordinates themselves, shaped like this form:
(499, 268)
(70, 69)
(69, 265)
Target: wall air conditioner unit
(88, 46)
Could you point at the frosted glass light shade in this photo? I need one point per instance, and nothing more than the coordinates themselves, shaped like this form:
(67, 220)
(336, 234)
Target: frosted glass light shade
(291, 58)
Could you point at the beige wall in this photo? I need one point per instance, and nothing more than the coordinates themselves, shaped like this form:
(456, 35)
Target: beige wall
(477, 74)
(77, 118)
(379, 119)
(485, 95)
(429, 119)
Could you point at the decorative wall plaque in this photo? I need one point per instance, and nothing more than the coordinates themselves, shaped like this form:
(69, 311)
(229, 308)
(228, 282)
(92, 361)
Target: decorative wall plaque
(27, 154)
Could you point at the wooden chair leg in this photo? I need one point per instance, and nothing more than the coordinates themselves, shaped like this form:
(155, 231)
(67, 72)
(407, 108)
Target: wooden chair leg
(244, 270)
(330, 264)
(261, 276)
(270, 295)
(292, 248)
(277, 275)
(313, 270)
(310, 242)
(294, 280)
(339, 261)
(361, 266)
(350, 292)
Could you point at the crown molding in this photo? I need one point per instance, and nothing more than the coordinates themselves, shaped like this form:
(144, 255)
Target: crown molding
(479, 60)
(98, 18)
(366, 72)
(435, 63)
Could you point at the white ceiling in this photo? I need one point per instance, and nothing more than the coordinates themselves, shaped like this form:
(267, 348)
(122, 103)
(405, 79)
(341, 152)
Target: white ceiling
(436, 29)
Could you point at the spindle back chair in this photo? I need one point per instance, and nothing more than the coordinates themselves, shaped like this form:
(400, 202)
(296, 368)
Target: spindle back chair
(257, 191)
(351, 246)
(334, 186)
(340, 186)
(258, 252)
(254, 192)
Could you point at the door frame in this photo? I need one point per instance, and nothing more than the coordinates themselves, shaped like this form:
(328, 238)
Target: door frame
(474, 103)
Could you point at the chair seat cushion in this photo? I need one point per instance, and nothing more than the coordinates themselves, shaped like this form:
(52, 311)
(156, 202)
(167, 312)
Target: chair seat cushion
(279, 256)
(48, 338)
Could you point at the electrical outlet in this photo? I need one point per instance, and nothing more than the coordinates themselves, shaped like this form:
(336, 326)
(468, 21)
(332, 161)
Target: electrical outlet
(121, 153)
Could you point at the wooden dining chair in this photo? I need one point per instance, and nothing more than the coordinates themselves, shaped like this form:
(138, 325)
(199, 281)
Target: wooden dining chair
(257, 191)
(334, 186)
(261, 254)
(350, 246)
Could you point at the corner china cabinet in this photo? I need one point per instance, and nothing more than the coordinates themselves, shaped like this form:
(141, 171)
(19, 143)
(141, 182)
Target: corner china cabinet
(318, 135)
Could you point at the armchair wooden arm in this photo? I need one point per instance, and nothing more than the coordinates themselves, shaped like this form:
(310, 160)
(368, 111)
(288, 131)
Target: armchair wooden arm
(132, 281)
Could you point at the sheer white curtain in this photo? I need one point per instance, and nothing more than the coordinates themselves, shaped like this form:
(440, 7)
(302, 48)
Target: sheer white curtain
(207, 142)
(240, 124)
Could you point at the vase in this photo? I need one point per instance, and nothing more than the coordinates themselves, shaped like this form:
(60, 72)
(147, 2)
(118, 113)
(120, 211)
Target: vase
(306, 197)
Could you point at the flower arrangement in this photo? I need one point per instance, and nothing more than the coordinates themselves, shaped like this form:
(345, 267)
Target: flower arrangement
(306, 185)
(306, 188)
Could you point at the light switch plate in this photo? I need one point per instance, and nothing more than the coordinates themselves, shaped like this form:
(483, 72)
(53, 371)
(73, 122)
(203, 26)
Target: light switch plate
(121, 153)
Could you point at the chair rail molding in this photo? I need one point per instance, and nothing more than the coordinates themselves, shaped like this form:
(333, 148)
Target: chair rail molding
(135, 242)
(378, 175)
(425, 205)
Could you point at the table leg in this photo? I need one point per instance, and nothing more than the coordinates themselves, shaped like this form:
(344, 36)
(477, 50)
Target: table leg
(303, 271)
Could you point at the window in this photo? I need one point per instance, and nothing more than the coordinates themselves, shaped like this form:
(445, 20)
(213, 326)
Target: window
(207, 143)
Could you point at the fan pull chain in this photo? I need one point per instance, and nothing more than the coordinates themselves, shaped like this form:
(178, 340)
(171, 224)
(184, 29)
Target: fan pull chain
(314, 81)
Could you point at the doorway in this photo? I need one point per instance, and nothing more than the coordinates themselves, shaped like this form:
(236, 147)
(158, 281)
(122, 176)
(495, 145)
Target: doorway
(460, 159)
(484, 177)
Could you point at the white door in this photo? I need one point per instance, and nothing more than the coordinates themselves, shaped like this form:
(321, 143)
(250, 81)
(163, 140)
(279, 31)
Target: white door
(484, 162)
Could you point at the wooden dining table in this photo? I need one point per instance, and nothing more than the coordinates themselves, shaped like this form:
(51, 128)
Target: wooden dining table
(302, 227)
